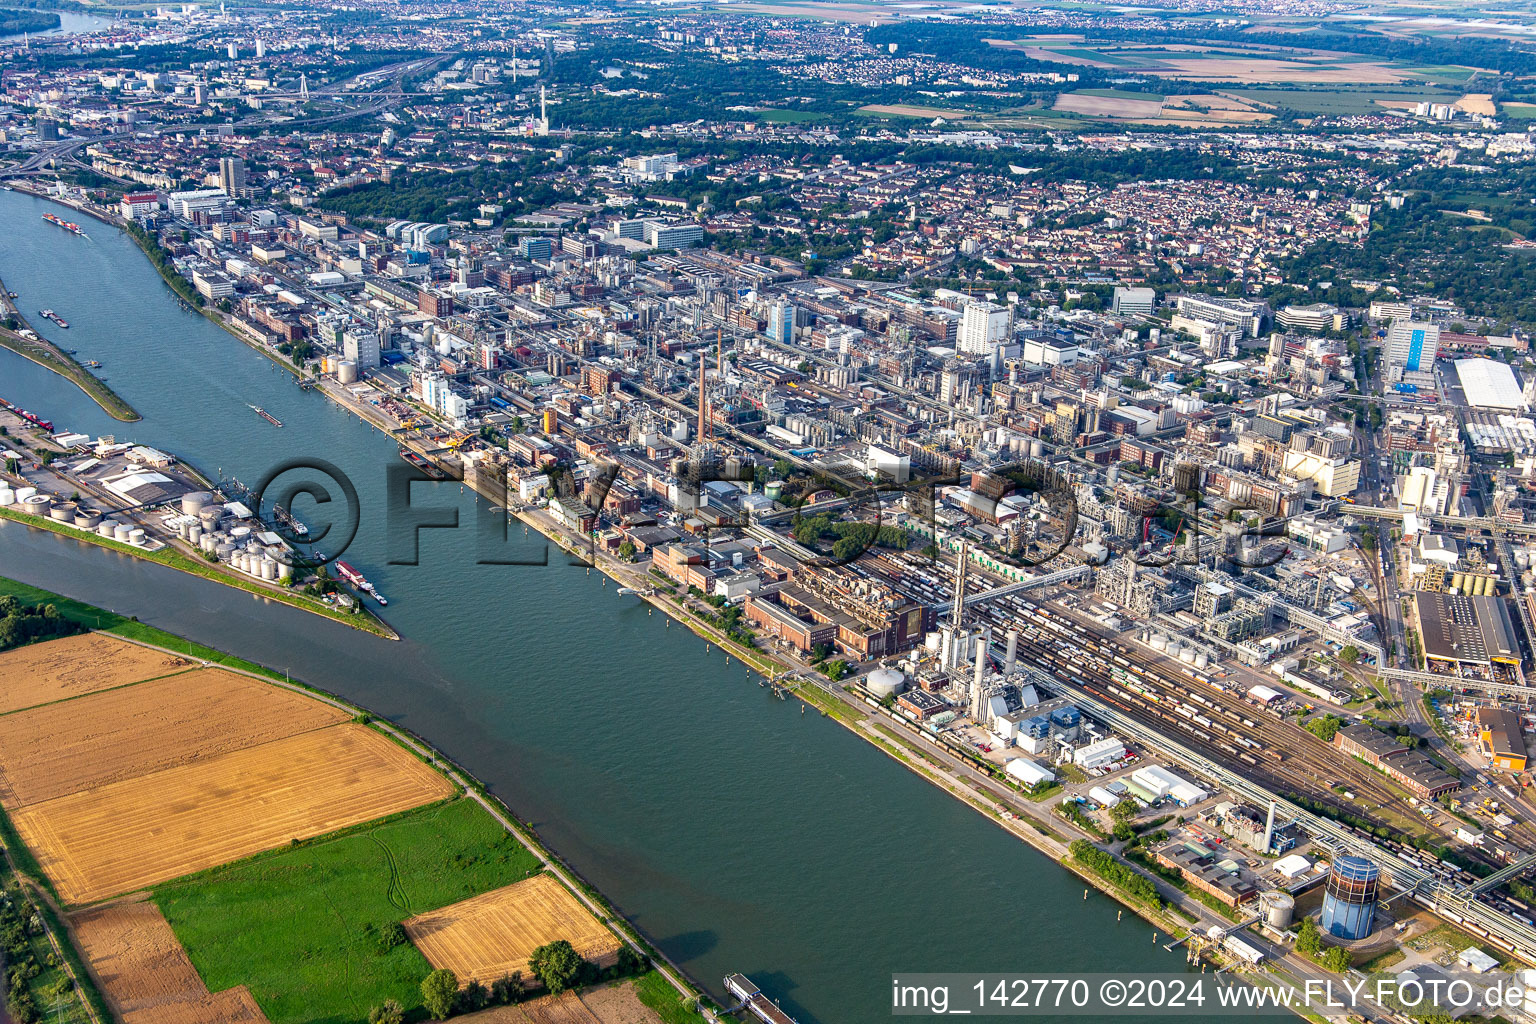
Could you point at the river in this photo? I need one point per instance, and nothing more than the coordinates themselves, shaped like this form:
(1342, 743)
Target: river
(738, 833)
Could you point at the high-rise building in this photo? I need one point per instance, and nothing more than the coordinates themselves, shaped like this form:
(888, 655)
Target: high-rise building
(1134, 301)
(1411, 348)
(535, 248)
(261, 47)
(781, 322)
(233, 51)
(232, 176)
(47, 130)
(982, 326)
(362, 347)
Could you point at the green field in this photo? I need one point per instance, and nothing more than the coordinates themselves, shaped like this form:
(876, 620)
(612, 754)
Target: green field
(302, 926)
(1519, 111)
(1082, 54)
(1121, 94)
(1338, 99)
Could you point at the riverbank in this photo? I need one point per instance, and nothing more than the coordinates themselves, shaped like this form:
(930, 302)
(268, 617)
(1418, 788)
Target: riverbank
(364, 619)
(130, 630)
(51, 357)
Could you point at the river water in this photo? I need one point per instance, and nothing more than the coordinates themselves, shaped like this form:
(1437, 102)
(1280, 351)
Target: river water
(736, 832)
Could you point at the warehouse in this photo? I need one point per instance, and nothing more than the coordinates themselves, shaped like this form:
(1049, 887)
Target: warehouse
(1489, 384)
(1164, 783)
(1465, 628)
(1028, 772)
(1410, 767)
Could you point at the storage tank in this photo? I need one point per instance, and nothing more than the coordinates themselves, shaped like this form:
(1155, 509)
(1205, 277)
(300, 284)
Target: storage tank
(268, 569)
(346, 372)
(23, 493)
(1159, 642)
(1202, 660)
(207, 542)
(284, 571)
(7, 496)
(194, 502)
(87, 518)
(1187, 655)
(1458, 580)
(122, 531)
(1036, 449)
(224, 551)
(63, 512)
(773, 488)
(1278, 908)
(194, 532)
(136, 537)
(885, 682)
(1349, 902)
(37, 504)
(106, 528)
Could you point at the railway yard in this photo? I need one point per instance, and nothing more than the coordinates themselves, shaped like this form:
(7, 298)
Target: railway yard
(1205, 720)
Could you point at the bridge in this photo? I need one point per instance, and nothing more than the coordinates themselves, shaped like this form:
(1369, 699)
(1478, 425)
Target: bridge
(1504, 874)
(1052, 579)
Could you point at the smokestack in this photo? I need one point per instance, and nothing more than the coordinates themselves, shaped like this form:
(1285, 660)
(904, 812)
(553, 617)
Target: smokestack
(962, 561)
(1269, 828)
(703, 403)
(1013, 652)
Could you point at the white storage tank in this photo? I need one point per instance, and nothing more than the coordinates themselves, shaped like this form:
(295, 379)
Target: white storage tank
(122, 532)
(1202, 660)
(37, 504)
(7, 496)
(885, 682)
(1187, 655)
(268, 569)
(107, 528)
(1278, 908)
(23, 493)
(346, 372)
(194, 502)
(1159, 642)
(136, 537)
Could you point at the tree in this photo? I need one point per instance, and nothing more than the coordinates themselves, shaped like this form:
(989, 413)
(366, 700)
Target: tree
(507, 989)
(627, 550)
(438, 991)
(631, 961)
(1308, 939)
(1125, 810)
(1336, 959)
(390, 1013)
(557, 965)
(1349, 655)
(472, 997)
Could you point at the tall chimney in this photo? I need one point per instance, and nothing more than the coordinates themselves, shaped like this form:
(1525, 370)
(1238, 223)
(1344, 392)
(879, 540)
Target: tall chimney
(1013, 652)
(1269, 828)
(703, 403)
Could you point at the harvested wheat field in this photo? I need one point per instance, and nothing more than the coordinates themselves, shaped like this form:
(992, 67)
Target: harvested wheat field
(490, 935)
(137, 832)
(1108, 106)
(1259, 71)
(59, 669)
(145, 974)
(614, 1003)
(58, 749)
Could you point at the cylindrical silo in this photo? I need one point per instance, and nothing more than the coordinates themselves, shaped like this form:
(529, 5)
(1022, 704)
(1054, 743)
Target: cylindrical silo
(136, 537)
(63, 512)
(7, 496)
(37, 504)
(346, 372)
(1349, 902)
(1278, 908)
(23, 493)
(194, 502)
(121, 532)
(88, 518)
(107, 528)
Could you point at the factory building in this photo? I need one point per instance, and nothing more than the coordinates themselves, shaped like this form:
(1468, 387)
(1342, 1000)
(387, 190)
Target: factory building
(1472, 629)
(1410, 767)
(1499, 738)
